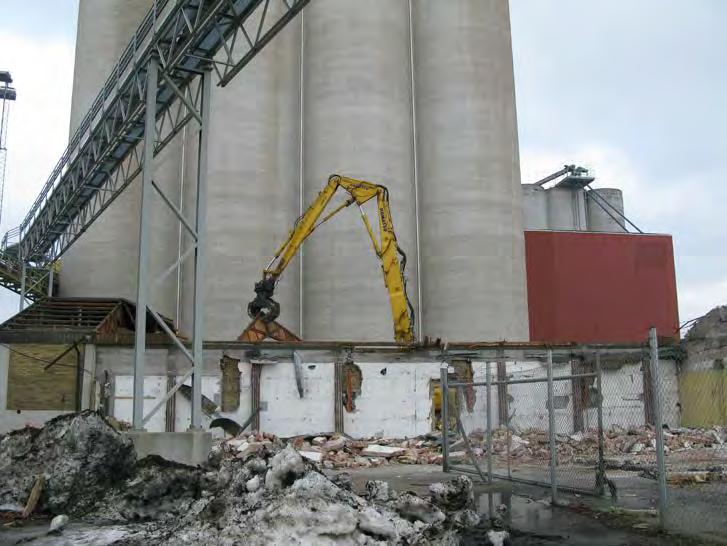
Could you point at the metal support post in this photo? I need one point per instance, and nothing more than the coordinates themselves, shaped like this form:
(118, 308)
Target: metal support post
(601, 470)
(50, 280)
(489, 422)
(142, 279)
(23, 274)
(443, 384)
(658, 424)
(551, 431)
(200, 260)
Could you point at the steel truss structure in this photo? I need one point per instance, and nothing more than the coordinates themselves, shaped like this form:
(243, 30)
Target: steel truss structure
(162, 81)
(104, 155)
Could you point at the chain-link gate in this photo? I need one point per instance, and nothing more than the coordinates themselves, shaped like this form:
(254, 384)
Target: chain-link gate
(644, 426)
(538, 422)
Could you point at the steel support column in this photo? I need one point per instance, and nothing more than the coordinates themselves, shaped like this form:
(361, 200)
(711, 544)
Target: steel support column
(551, 432)
(658, 424)
(142, 278)
(50, 280)
(489, 423)
(200, 259)
(23, 274)
(444, 386)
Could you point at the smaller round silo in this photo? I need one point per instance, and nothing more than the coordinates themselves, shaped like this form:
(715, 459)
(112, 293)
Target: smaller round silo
(600, 204)
(535, 207)
(566, 209)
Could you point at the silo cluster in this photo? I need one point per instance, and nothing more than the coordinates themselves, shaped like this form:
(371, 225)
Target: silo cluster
(415, 95)
(566, 208)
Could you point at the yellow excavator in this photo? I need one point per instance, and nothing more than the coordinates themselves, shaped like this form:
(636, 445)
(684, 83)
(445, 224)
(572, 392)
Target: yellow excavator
(265, 308)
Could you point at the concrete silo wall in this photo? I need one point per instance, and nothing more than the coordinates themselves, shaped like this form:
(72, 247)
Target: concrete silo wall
(473, 265)
(603, 210)
(357, 121)
(252, 187)
(103, 261)
(535, 207)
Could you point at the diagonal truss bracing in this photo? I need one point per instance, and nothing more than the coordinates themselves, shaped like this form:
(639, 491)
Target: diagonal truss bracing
(105, 153)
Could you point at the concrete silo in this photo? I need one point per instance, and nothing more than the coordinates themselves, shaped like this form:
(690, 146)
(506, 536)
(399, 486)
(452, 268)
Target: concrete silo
(566, 209)
(417, 96)
(601, 217)
(357, 121)
(535, 207)
(472, 255)
(253, 186)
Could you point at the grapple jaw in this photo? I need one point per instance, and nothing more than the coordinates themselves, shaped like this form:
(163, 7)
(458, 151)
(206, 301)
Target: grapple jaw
(264, 306)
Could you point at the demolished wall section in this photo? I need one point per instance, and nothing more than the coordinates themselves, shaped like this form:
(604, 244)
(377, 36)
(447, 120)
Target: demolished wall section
(395, 398)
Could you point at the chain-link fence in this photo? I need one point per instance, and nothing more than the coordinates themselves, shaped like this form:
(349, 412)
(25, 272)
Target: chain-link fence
(585, 421)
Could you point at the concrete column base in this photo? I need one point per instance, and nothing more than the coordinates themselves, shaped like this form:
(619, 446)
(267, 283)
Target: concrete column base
(190, 448)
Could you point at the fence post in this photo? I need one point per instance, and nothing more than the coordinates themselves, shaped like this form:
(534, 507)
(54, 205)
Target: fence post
(489, 422)
(551, 430)
(444, 385)
(601, 477)
(658, 424)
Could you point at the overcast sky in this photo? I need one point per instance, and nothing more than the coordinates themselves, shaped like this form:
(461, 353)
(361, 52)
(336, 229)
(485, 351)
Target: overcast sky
(634, 89)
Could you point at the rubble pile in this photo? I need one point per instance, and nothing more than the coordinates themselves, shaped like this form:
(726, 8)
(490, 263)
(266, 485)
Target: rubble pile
(532, 445)
(525, 446)
(80, 457)
(253, 490)
(339, 452)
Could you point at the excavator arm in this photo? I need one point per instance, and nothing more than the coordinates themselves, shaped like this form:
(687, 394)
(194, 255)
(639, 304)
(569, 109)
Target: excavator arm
(385, 247)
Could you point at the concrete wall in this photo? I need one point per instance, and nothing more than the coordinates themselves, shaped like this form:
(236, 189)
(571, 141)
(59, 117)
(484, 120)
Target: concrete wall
(471, 236)
(395, 398)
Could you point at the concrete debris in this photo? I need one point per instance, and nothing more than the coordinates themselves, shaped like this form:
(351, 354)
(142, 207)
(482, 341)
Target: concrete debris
(453, 495)
(253, 484)
(620, 445)
(286, 466)
(274, 496)
(58, 523)
(315, 456)
(377, 490)
(375, 450)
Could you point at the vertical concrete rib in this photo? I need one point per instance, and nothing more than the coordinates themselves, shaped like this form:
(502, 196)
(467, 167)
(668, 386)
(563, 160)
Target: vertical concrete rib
(104, 30)
(253, 180)
(472, 250)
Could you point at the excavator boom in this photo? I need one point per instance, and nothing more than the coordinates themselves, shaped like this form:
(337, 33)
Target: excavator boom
(385, 247)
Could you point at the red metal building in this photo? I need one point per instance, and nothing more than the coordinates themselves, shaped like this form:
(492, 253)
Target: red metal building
(600, 287)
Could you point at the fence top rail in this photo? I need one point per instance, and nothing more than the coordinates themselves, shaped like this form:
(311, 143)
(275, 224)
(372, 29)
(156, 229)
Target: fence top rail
(516, 381)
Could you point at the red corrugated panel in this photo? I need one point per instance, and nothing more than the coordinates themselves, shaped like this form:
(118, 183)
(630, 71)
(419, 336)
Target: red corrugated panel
(600, 287)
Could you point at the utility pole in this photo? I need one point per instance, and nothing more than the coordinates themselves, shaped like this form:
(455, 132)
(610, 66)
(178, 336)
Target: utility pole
(7, 94)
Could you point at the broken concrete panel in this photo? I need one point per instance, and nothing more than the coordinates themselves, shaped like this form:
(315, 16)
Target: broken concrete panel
(375, 450)
(315, 456)
(351, 387)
